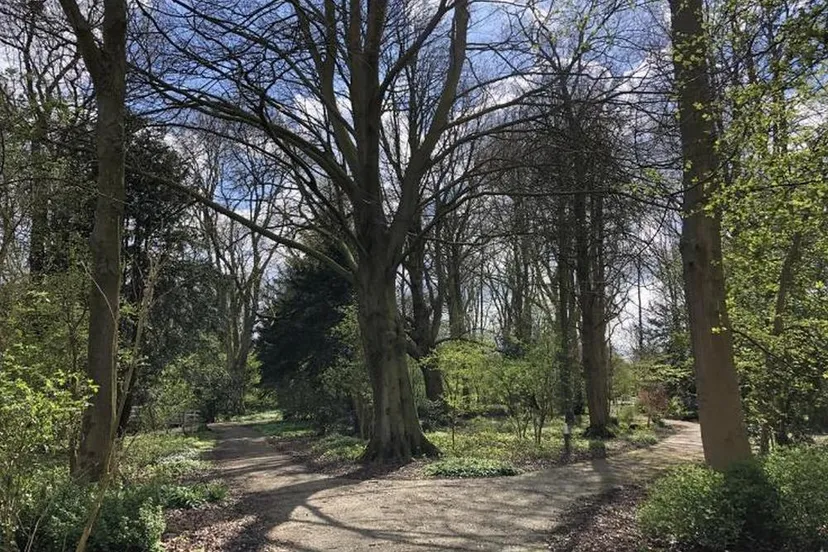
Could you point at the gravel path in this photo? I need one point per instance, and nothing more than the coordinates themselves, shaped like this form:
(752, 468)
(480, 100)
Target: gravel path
(281, 506)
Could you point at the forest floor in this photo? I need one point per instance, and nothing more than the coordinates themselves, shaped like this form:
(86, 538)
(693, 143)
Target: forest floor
(278, 504)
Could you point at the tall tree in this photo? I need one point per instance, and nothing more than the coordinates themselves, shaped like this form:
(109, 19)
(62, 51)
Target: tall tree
(103, 51)
(343, 61)
(721, 416)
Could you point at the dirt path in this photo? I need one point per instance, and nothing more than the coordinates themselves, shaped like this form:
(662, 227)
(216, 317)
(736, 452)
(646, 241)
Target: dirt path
(283, 507)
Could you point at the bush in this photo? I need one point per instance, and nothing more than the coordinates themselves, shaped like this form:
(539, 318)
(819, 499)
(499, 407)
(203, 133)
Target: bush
(801, 477)
(678, 410)
(689, 506)
(654, 401)
(130, 520)
(626, 415)
(780, 503)
(38, 413)
(470, 467)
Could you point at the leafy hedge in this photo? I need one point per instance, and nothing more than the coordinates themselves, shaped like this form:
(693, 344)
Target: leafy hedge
(779, 503)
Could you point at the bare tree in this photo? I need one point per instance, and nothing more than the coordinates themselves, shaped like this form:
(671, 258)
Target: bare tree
(242, 180)
(102, 45)
(316, 78)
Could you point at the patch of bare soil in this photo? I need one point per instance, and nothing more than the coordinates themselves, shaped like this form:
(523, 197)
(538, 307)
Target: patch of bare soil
(605, 523)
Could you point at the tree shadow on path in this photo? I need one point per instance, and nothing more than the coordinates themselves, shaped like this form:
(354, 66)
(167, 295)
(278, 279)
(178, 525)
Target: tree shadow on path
(282, 505)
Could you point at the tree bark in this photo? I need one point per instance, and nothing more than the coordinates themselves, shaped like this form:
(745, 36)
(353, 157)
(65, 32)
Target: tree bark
(454, 292)
(99, 420)
(588, 267)
(425, 321)
(724, 436)
(397, 435)
(106, 63)
(565, 315)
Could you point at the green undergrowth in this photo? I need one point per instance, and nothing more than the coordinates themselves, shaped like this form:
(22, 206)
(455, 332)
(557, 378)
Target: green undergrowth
(256, 417)
(778, 503)
(469, 467)
(481, 447)
(156, 472)
(286, 429)
(493, 439)
(164, 456)
(272, 424)
(338, 448)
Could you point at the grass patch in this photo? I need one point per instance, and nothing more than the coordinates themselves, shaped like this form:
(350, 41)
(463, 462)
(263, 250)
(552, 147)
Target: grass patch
(286, 429)
(258, 417)
(481, 447)
(494, 439)
(338, 448)
(191, 496)
(641, 437)
(164, 457)
(470, 467)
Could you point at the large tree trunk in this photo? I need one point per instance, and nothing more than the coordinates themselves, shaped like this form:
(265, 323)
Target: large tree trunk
(99, 420)
(596, 370)
(723, 430)
(397, 435)
(594, 355)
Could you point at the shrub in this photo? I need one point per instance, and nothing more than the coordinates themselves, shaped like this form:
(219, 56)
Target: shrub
(689, 506)
(780, 503)
(470, 467)
(626, 415)
(801, 477)
(754, 497)
(654, 401)
(38, 412)
(130, 520)
(677, 409)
